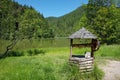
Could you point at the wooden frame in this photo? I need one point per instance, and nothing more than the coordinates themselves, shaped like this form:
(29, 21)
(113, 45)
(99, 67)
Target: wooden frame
(92, 45)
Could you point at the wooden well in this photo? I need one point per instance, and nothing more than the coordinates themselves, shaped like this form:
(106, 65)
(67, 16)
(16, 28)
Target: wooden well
(85, 63)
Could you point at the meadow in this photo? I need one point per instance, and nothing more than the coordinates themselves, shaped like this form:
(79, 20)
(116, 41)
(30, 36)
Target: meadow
(51, 62)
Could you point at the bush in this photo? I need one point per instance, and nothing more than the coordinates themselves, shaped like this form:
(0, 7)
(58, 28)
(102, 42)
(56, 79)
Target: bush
(35, 52)
(15, 53)
(30, 52)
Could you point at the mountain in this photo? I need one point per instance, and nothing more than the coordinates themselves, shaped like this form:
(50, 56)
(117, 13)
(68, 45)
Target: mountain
(65, 25)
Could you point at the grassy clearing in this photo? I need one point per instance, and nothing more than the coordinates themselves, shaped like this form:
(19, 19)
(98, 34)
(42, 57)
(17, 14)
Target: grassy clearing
(53, 65)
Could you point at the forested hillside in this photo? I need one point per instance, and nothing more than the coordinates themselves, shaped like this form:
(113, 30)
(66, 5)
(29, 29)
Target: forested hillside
(63, 25)
(30, 22)
(101, 17)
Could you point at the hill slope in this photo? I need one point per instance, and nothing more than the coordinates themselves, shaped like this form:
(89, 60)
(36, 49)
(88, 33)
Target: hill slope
(100, 20)
(64, 25)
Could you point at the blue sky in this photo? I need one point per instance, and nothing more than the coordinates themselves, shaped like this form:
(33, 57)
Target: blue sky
(54, 8)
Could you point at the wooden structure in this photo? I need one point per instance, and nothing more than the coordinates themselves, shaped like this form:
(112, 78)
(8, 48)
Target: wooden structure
(85, 62)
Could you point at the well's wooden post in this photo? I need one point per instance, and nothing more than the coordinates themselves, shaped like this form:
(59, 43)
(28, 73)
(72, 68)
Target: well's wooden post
(71, 42)
(92, 49)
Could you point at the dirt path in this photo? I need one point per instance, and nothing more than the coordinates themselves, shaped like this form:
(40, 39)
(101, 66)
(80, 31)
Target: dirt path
(111, 70)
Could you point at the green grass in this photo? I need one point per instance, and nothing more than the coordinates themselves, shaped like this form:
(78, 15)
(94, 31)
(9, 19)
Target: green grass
(52, 64)
(35, 43)
(109, 52)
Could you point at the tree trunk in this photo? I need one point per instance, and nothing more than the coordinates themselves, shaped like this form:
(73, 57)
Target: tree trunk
(8, 48)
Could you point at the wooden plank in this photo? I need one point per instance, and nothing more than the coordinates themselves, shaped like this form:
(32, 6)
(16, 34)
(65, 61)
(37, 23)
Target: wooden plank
(86, 70)
(81, 45)
(86, 67)
(71, 42)
(81, 59)
(84, 64)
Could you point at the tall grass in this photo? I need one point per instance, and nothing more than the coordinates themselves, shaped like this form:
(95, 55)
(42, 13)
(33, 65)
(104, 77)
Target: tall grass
(3, 44)
(35, 43)
(51, 66)
(109, 51)
(106, 51)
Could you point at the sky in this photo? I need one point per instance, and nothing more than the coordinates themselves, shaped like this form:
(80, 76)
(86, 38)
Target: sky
(54, 8)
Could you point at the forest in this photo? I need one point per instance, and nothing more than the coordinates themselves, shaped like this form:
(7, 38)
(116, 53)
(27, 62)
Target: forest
(24, 19)
(99, 16)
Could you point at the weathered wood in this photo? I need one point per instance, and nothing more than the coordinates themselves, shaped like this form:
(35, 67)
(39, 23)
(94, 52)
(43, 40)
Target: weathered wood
(86, 70)
(84, 64)
(81, 45)
(86, 67)
(92, 49)
(82, 34)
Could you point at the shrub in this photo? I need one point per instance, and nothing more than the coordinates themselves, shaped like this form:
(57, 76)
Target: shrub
(35, 52)
(15, 53)
(30, 52)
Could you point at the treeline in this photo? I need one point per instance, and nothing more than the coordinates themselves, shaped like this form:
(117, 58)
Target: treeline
(25, 19)
(99, 16)
(102, 17)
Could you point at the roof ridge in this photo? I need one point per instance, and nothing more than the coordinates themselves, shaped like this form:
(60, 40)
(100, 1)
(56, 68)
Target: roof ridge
(83, 33)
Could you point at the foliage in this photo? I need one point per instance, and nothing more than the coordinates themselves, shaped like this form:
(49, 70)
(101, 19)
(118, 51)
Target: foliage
(63, 26)
(15, 53)
(30, 22)
(19, 22)
(35, 52)
(102, 20)
(30, 52)
(101, 17)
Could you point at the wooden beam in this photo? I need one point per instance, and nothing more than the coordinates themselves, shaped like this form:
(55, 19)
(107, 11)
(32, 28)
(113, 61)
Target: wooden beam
(81, 45)
(93, 47)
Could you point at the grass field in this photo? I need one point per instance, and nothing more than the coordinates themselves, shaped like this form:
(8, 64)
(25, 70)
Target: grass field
(109, 52)
(53, 64)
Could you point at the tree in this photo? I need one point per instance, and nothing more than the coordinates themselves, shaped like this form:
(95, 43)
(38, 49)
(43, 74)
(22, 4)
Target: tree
(103, 18)
(81, 23)
(105, 26)
(19, 22)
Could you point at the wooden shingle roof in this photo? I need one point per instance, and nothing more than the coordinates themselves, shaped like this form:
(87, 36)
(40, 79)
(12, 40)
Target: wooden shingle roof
(82, 34)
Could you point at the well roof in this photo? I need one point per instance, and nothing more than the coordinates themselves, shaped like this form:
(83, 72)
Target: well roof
(83, 34)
